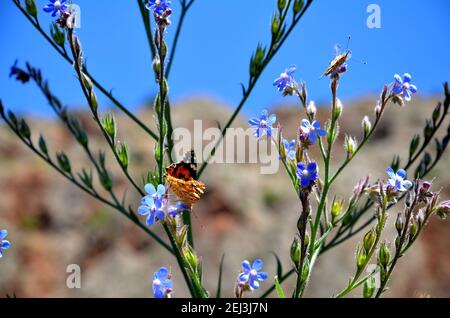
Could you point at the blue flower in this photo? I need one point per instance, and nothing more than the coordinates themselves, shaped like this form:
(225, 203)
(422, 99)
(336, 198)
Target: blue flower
(4, 244)
(307, 173)
(403, 86)
(286, 82)
(153, 204)
(252, 275)
(290, 148)
(158, 6)
(178, 208)
(162, 284)
(263, 124)
(397, 180)
(312, 130)
(55, 7)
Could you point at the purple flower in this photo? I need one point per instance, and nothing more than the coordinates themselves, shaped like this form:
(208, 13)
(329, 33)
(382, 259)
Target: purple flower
(55, 7)
(4, 244)
(312, 130)
(263, 124)
(162, 284)
(307, 173)
(403, 86)
(286, 82)
(252, 275)
(289, 147)
(397, 180)
(153, 204)
(159, 7)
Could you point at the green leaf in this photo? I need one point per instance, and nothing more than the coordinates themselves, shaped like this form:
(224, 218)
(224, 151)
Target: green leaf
(278, 288)
(279, 265)
(219, 282)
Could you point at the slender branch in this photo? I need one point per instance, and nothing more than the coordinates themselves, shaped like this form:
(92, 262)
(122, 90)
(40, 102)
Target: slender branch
(184, 10)
(147, 25)
(88, 191)
(252, 82)
(64, 54)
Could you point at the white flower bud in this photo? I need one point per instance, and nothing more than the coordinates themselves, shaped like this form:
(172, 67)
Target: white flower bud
(366, 125)
(311, 109)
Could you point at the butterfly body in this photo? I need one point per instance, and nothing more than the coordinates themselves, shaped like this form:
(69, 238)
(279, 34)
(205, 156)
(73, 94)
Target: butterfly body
(182, 179)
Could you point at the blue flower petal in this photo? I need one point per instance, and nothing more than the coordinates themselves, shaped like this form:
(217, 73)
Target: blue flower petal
(312, 167)
(316, 124)
(150, 188)
(162, 273)
(264, 114)
(5, 245)
(390, 173)
(254, 283)
(160, 214)
(407, 184)
(262, 276)
(413, 88)
(150, 219)
(301, 166)
(406, 95)
(258, 264)
(401, 173)
(3, 234)
(143, 210)
(158, 292)
(407, 78)
(243, 277)
(398, 79)
(161, 189)
(272, 119)
(246, 266)
(254, 121)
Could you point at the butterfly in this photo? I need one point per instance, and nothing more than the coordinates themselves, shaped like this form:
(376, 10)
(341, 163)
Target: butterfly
(337, 65)
(182, 179)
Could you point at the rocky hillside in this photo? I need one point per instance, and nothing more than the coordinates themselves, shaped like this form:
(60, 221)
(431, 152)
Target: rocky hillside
(244, 214)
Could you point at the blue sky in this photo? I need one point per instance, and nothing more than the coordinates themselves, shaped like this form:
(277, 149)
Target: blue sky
(216, 44)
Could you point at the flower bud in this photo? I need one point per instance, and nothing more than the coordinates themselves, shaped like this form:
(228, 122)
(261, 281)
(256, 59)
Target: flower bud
(399, 224)
(304, 93)
(311, 109)
(298, 6)
(295, 251)
(443, 209)
(24, 130)
(350, 146)
(420, 217)
(369, 239)
(366, 125)
(105, 180)
(281, 4)
(413, 229)
(361, 257)
(109, 125)
(384, 256)
(275, 24)
(336, 208)
(413, 145)
(122, 153)
(64, 162)
(43, 145)
(157, 66)
(31, 8)
(369, 287)
(57, 35)
(338, 109)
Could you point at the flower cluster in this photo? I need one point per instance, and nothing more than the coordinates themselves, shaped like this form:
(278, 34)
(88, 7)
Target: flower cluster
(161, 10)
(162, 283)
(155, 205)
(4, 244)
(263, 124)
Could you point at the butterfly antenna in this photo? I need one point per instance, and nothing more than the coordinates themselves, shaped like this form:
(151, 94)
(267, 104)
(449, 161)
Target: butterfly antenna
(348, 42)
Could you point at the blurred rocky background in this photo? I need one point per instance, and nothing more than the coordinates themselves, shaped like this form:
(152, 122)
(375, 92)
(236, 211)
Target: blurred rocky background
(243, 215)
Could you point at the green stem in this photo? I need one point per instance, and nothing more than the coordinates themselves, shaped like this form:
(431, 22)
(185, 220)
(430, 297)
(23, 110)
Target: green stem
(148, 30)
